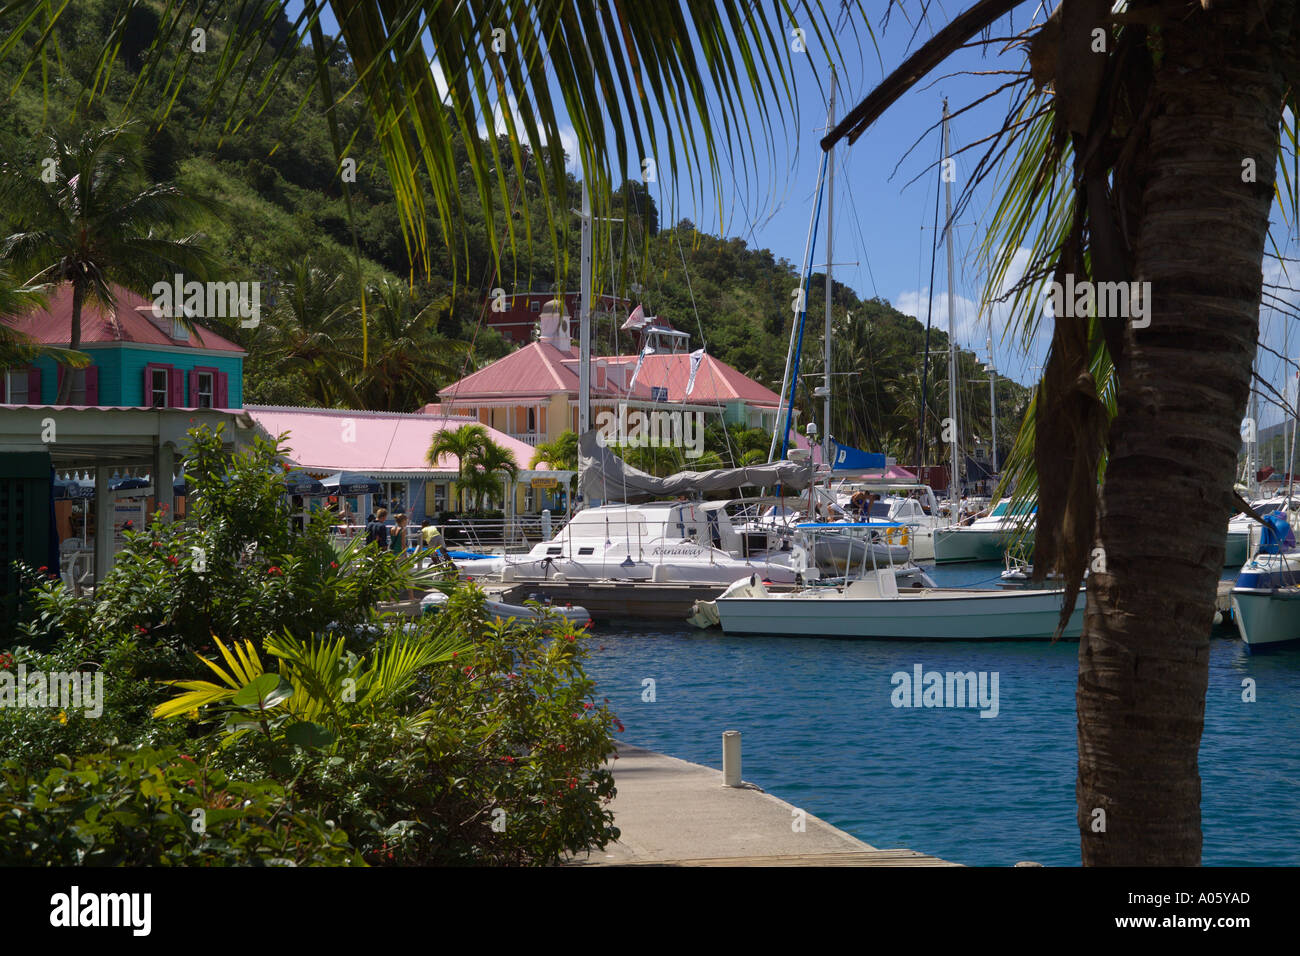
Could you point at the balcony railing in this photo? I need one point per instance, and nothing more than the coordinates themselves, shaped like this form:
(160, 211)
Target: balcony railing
(528, 438)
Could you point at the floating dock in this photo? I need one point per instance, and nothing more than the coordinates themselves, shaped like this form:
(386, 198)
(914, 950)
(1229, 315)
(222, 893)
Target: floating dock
(609, 601)
(675, 813)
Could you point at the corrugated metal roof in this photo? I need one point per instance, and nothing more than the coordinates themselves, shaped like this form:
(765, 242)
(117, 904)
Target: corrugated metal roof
(337, 439)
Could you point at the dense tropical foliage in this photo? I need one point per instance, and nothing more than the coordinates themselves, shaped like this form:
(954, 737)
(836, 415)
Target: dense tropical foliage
(334, 733)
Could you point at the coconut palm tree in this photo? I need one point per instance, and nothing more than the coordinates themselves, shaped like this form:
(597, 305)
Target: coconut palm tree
(561, 454)
(495, 464)
(16, 349)
(465, 444)
(1152, 159)
(96, 222)
(410, 359)
(312, 329)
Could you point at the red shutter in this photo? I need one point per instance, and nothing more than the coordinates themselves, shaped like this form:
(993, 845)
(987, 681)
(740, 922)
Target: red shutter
(176, 387)
(222, 398)
(92, 385)
(194, 388)
(34, 386)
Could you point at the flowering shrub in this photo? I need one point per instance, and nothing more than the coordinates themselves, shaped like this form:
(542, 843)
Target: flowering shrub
(492, 754)
(235, 565)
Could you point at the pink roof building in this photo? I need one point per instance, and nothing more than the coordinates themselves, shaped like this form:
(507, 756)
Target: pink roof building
(532, 393)
(392, 448)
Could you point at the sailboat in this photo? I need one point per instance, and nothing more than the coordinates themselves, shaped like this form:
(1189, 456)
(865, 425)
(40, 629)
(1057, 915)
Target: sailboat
(876, 604)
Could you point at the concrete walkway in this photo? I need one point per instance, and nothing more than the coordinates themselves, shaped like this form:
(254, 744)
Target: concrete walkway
(674, 812)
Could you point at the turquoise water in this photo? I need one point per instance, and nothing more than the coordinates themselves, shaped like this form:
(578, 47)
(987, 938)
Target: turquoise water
(819, 731)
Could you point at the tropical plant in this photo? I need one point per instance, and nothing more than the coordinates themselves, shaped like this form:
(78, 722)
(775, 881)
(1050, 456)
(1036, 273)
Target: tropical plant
(561, 453)
(464, 444)
(410, 359)
(156, 807)
(312, 330)
(235, 564)
(465, 740)
(96, 223)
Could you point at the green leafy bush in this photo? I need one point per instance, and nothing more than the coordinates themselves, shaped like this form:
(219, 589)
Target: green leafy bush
(147, 807)
(485, 748)
(234, 565)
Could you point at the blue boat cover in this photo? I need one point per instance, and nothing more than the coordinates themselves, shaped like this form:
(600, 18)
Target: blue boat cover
(853, 459)
(1276, 535)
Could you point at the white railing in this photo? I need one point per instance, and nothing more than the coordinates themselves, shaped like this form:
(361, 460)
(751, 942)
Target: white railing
(528, 438)
(519, 532)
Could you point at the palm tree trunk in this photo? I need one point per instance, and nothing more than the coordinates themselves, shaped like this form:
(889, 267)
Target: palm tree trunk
(1144, 654)
(78, 299)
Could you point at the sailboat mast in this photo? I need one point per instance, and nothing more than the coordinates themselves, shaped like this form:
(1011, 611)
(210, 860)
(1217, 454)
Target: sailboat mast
(584, 317)
(830, 261)
(954, 480)
(993, 397)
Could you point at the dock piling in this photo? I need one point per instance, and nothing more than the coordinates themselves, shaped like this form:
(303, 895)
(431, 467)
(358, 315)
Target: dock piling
(731, 758)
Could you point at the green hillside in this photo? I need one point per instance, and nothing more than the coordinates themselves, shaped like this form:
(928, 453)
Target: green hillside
(277, 213)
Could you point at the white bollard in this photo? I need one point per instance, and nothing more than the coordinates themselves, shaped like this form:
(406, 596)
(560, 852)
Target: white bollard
(731, 758)
(546, 524)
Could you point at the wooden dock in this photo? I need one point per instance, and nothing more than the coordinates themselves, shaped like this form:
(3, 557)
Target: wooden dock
(847, 858)
(674, 813)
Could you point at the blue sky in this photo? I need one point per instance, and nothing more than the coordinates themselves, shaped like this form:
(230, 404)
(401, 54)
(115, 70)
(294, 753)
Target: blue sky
(884, 204)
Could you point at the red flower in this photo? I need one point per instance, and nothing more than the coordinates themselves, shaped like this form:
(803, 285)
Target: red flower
(187, 757)
(334, 564)
(274, 569)
(561, 746)
(142, 629)
(586, 706)
(507, 759)
(173, 559)
(162, 507)
(6, 660)
(619, 725)
(453, 654)
(469, 668)
(42, 568)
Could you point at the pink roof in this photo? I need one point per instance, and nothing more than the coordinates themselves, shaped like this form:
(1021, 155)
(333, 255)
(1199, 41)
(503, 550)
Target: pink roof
(336, 439)
(539, 369)
(52, 325)
(892, 473)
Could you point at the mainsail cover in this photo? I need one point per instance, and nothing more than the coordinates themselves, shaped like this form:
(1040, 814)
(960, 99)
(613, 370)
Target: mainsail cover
(848, 458)
(605, 476)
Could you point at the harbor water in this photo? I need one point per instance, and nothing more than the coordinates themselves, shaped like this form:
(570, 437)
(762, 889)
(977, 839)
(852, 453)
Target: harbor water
(822, 731)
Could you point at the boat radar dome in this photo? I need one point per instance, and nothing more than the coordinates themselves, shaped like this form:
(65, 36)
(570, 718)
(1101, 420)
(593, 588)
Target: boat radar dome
(553, 324)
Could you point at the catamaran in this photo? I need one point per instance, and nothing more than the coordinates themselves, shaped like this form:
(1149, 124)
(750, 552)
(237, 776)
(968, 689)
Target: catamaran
(691, 542)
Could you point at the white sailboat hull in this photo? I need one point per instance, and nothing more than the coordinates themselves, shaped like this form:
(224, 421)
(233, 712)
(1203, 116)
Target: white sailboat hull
(1267, 616)
(929, 614)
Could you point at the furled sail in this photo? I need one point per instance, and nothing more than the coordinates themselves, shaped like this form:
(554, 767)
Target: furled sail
(605, 476)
